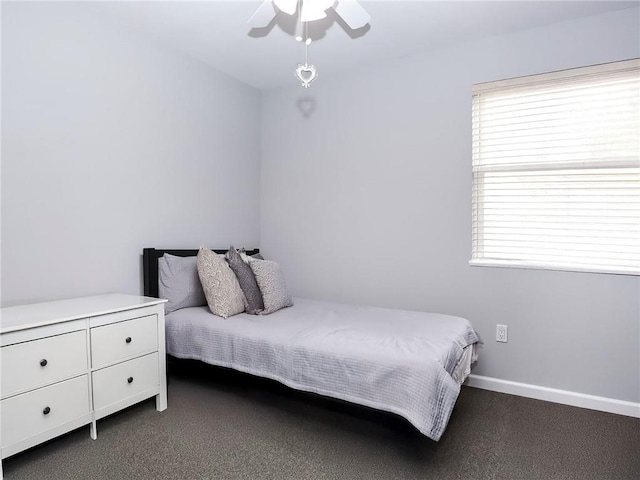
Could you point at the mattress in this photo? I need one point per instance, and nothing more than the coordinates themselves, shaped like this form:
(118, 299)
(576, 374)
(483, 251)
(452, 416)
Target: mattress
(392, 360)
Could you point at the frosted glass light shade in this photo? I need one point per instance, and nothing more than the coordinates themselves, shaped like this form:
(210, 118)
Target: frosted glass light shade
(314, 10)
(287, 6)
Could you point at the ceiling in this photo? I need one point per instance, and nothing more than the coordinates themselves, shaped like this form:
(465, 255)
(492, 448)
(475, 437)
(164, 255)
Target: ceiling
(217, 33)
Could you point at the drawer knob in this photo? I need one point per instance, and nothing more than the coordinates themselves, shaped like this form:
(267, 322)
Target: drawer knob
(128, 339)
(130, 380)
(46, 410)
(43, 362)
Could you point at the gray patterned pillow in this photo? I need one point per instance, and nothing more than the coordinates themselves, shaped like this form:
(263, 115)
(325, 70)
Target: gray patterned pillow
(247, 281)
(220, 285)
(179, 283)
(272, 285)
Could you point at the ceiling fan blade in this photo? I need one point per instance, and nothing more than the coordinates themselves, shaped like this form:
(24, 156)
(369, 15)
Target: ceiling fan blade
(287, 6)
(352, 13)
(263, 15)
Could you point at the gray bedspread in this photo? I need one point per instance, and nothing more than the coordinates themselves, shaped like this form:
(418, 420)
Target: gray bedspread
(393, 360)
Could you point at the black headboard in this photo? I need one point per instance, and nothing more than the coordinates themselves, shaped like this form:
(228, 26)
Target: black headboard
(150, 258)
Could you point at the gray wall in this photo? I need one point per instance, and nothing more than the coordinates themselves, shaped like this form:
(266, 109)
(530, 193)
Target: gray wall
(368, 200)
(111, 144)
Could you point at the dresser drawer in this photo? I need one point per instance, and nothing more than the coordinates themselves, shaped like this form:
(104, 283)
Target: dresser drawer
(118, 382)
(118, 341)
(24, 416)
(39, 362)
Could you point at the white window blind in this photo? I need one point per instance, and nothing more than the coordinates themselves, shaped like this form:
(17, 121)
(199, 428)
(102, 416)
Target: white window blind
(556, 170)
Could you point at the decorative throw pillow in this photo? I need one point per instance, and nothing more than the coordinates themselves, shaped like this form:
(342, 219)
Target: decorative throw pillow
(270, 279)
(246, 257)
(220, 285)
(179, 283)
(247, 281)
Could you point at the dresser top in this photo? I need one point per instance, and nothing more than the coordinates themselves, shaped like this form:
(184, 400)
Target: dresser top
(22, 317)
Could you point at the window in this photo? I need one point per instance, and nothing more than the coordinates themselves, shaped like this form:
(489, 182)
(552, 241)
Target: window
(556, 170)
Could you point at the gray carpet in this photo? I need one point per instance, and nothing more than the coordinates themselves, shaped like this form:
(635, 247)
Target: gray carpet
(225, 425)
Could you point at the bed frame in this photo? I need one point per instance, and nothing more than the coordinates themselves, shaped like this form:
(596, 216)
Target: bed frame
(150, 258)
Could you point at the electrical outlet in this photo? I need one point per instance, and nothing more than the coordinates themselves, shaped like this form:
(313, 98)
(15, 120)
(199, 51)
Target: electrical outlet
(501, 333)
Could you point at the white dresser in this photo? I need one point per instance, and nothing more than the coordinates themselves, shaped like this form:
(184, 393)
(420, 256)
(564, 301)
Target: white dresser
(68, 363)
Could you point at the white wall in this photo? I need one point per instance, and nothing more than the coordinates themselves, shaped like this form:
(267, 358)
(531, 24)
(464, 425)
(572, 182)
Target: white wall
(111, 144)
(368, 200)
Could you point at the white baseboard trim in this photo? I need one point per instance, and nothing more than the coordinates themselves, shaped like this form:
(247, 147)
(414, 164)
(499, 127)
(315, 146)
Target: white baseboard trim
(592, 402)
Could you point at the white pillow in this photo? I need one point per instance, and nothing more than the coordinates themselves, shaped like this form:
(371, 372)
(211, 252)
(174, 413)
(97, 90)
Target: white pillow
(221, 288)
(270, 279)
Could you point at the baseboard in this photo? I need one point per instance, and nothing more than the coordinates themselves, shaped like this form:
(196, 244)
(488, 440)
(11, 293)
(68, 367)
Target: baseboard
(592, 402)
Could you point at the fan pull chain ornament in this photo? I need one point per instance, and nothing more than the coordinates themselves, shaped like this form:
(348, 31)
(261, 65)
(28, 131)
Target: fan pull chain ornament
(306, 73)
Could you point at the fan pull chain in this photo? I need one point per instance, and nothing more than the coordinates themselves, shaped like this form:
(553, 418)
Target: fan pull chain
(306, 73)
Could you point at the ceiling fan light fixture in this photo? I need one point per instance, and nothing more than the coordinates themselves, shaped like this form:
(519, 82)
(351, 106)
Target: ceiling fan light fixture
(287, 6)
(353, 14)
(305, 11)
(312, 10)
(311, 14)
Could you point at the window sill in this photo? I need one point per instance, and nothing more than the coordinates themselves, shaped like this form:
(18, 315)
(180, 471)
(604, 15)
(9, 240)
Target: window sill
(562, 268)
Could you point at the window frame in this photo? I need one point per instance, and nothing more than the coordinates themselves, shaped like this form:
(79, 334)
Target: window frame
(477, 221)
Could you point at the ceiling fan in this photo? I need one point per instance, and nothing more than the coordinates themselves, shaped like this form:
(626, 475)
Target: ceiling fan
(307, 11)
(353, 14)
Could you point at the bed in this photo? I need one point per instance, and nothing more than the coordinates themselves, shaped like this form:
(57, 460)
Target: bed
(408, 363)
